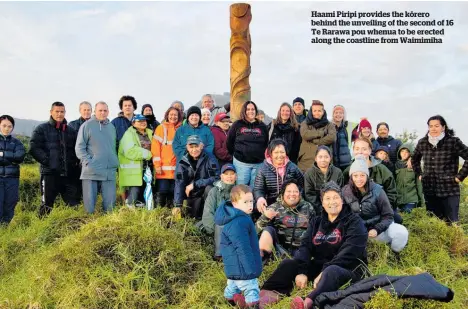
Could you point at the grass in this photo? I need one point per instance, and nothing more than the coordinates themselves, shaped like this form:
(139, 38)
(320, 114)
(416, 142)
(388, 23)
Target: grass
(142, 259)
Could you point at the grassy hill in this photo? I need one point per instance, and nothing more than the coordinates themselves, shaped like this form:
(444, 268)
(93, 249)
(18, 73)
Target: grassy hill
(144, 259)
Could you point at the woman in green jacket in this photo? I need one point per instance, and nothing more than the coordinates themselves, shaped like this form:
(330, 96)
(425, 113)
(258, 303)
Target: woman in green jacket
(134, 157)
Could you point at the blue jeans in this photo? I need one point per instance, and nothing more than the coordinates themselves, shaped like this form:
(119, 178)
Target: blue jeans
(246, 172)
(90, 192)
(248, 287)
(408, 207)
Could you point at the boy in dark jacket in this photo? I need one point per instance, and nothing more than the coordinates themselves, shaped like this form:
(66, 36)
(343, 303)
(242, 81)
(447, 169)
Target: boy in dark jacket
(240, 249)
(409, 187)
(382, 153)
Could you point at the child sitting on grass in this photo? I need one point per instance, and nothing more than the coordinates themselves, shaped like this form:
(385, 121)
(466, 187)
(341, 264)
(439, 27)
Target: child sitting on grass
(239, 248)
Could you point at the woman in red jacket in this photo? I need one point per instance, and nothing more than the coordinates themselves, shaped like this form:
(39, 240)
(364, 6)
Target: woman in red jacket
(220, 128)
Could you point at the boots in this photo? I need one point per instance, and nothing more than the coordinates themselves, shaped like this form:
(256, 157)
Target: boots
(160, 200)
(170, 200)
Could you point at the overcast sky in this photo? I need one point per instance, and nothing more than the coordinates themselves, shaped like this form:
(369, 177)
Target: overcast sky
(161, 51)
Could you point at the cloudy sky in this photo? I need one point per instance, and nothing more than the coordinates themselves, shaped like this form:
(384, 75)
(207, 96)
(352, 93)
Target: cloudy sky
(161, 51)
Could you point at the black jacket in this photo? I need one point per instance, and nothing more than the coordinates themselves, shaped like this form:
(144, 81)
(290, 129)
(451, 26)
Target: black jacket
(76, 124)
(13, 154)
(247, 141)
(290, 135)
(441, 165)
(392, 145)
(422, 286)
(53, 146)
(341, 242)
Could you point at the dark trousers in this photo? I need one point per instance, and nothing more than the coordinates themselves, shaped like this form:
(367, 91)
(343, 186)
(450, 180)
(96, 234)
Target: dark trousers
(445, 208)
(52, 186)
(195, 204)
(333, 277)
(9, 197)
(165, 192)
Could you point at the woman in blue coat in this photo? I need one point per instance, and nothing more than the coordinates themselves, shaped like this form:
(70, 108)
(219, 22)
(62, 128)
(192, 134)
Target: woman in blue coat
(12, 153)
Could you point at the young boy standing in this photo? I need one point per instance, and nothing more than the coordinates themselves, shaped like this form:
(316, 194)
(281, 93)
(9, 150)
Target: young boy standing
(239, 248)
(409, 187)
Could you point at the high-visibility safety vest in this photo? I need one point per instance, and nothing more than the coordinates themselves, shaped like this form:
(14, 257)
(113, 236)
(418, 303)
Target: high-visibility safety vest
(161, 149)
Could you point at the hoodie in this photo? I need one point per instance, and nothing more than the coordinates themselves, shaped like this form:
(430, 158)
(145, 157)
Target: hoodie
(150, 119)
(341, 242)
(247, 141)
(408, 185)
(239, 243)
(217, 195)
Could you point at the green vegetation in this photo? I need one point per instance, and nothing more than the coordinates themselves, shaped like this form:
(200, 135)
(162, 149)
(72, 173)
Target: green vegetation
(142, 259)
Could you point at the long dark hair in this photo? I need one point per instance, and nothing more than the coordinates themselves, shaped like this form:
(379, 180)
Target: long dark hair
(9, 118)
(448, 131)
(243, 114)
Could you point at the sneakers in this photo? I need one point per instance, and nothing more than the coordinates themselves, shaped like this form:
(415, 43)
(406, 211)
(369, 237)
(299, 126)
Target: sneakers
(298, 303)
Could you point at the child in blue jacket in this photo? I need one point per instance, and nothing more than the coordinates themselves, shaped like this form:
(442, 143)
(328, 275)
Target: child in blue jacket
(239, 248)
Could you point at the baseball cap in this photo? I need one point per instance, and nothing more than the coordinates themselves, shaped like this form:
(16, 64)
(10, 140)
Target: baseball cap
(138, 117)
(228, 167)
(193, 139)
(221, 116)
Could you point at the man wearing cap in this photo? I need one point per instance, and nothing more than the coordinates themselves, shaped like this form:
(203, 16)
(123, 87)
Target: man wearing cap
(193, 126)
(384, 139)
(299, 109)
(219, 131)
(195, 174)
(218, 194)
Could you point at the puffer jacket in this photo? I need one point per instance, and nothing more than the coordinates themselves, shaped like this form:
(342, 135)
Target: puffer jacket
(13, 155)
(131, 158)
(121, 124)
(206, 173)
(441, 165)
(247, 141)
(314, 180)
(314, 132)
(290, 223)
(341, 151)
(161, 149)
(392, 145)
(53, 146)
(220, 145)
(268, 181)
(289, 135)
(239, 243)
(381, 175)
(217, 195)
(76, 124)
(374, 207)
(179, 145)
(409, 187)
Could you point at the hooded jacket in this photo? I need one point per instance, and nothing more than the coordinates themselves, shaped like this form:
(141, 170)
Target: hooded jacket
(179, 145)
(131, 156)
(381, 175)
(247, 141)
(342, 243)
(389, 164)
(290, 135)
(13, 155)
(290, 223)
(220, 145)
(314, 180)
(409, 187)
(374, 207)
(217, 195)
(239, 243)
(392, 144)
(150, 119)
(53, 146)
(269, 180)
(314, 132)
(441, 165)
(205, 173)
(95, 147)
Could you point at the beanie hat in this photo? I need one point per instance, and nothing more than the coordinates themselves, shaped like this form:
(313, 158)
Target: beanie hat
(300, 100)
(359, 165)
(330, 186)
(193, 110)
(145, 106)
(364, 124)
(382, 124)
(205, 111)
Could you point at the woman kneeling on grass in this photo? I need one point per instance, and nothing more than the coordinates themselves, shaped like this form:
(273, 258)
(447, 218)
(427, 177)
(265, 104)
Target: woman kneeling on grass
(336, 240)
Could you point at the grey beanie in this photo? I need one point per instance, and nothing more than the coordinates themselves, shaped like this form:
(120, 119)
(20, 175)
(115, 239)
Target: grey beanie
(359, 165)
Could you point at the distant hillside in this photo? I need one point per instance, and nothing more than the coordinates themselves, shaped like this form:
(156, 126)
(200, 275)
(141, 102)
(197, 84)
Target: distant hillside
(25, 126)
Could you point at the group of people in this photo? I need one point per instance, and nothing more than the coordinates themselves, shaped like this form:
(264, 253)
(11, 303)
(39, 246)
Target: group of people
(302, 186)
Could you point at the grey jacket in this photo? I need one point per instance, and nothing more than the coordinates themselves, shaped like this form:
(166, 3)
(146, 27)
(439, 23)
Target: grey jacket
(95, 147)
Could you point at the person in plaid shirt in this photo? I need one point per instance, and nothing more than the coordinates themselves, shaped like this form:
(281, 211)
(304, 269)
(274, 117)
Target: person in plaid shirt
(440, 150)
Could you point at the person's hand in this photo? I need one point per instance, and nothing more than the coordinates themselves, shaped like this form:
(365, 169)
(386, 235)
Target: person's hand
(270, 213)
(158, 170)
(373, 233)
(317, 280)
(301, 281)
(188, 189)
(457, 180)
(261, 204)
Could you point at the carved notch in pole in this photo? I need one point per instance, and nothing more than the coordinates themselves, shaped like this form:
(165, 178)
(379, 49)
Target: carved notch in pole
(240, 17)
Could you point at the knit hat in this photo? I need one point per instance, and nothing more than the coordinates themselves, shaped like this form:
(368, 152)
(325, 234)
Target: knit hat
(364, 124)
(145, 106)
(331, 186)
(193, 110)
(383, 124)
(205, 111)
(359, 165)
(300, 100)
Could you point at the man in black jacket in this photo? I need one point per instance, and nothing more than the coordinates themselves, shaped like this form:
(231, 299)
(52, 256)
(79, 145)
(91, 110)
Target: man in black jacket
(53, 146)
(85, 113)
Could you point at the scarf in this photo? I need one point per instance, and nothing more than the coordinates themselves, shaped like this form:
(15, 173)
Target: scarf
(435, 140)
(317, 123)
